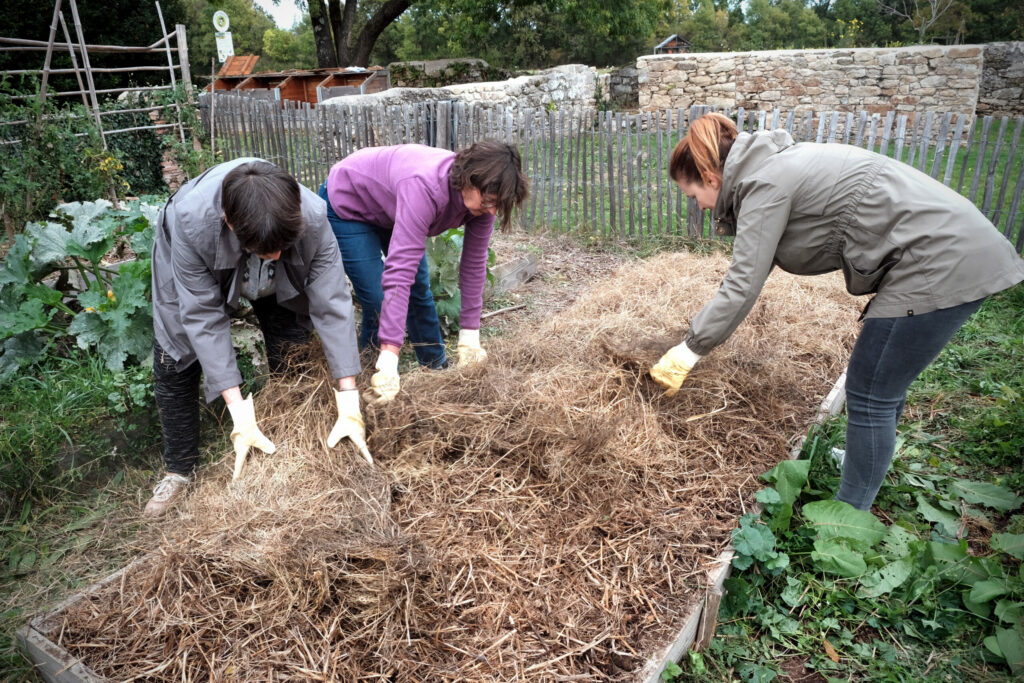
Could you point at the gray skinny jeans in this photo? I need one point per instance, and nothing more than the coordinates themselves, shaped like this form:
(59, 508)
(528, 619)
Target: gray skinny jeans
(889, 354)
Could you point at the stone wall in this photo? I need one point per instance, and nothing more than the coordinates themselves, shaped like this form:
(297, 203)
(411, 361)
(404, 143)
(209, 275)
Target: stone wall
(561, 87)
(443, 72)
(907, 79)
(1002, 85)
(624, 88)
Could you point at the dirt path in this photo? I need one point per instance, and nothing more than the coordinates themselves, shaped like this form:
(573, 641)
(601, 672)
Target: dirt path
(565, 269)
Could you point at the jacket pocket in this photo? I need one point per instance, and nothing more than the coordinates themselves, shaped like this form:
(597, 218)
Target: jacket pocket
(866, 282)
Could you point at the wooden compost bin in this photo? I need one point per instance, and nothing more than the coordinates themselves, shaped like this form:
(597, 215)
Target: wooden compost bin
(56, 665)
(584, 412)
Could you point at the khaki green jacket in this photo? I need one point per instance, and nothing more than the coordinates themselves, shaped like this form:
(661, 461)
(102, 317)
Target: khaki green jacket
(809, 208)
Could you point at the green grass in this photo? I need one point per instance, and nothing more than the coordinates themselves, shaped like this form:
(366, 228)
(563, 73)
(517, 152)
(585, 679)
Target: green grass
(964, 421)
(79, 453)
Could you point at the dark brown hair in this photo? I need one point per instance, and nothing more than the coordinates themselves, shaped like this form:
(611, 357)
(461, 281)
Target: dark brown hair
(263, 205)
(700, 155)
(496, 170)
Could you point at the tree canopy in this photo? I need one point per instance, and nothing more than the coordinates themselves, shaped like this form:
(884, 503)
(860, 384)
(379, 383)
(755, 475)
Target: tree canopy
(516, 34)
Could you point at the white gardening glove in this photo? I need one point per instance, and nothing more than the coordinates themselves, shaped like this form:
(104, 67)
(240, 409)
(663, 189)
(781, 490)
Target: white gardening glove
(350, 422)
(384, 384)
(674, 366)
(245, 433)
(469, 348)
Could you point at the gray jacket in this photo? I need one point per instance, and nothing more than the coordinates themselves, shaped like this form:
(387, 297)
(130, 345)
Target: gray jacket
(197, 270)
(816, 208)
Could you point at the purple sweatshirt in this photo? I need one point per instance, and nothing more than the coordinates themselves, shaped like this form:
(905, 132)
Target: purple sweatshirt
(405, 189)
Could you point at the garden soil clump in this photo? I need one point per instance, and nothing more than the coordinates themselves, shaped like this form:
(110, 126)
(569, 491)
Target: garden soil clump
(547, 516)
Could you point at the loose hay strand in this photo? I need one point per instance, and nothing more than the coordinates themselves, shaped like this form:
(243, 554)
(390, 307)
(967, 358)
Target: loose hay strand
(548, 517)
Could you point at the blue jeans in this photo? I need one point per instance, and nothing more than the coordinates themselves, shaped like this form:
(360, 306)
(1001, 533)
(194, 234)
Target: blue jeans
(362, 246)
(889, 354)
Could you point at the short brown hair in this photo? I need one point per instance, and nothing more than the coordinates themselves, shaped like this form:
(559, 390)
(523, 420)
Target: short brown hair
(495, 169)
(700, 155)
(263, 205)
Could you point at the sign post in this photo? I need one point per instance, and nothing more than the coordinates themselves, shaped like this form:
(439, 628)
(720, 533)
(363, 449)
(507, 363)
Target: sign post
(225, 47)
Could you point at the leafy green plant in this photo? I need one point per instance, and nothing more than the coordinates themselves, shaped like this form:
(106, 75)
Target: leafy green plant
(50, 154)
(93, 303)
(443, 258)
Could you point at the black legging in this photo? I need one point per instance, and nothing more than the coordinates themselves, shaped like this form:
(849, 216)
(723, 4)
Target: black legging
(177, 392)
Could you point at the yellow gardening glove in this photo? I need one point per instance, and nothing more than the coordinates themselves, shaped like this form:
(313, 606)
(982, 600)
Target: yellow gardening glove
(350, 423)
(245, 433)
(674, 366)
(469, 348)
(384, 384)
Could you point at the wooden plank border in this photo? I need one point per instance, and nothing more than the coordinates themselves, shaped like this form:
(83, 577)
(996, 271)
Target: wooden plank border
(699, 626)
(55, 665)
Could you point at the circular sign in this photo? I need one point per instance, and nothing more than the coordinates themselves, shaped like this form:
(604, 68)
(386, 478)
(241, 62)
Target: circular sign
(220, 20)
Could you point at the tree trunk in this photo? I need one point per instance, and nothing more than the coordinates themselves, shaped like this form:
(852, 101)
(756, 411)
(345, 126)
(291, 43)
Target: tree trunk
(325, 55)
(342, 16)
(381, 19)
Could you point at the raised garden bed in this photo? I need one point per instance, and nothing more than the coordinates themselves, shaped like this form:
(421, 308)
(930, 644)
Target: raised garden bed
(551, 516)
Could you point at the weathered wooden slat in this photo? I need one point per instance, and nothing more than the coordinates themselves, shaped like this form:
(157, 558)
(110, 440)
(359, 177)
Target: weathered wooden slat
(631, 189)
(660, 175)
(1007, 171)
(940, 144)
(980, 161)
(990, 175)
(901, 130)
(954, 150)
(884, 146)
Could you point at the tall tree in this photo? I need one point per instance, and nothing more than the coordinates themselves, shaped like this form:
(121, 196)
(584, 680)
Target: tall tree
(922, 14)
(345, 32)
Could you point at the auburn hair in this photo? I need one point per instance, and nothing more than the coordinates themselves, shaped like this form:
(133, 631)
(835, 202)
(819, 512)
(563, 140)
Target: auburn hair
(700, 155)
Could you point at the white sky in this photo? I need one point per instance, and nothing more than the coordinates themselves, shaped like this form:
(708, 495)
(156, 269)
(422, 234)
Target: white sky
(285, 13)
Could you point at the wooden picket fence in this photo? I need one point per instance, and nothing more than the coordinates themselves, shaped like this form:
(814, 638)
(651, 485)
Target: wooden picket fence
(606, 172)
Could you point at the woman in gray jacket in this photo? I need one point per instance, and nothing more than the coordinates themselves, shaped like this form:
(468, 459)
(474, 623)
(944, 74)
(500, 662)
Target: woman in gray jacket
(925, 252)
(244, 228)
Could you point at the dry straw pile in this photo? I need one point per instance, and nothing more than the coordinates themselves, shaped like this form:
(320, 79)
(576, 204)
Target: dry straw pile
(547, 517)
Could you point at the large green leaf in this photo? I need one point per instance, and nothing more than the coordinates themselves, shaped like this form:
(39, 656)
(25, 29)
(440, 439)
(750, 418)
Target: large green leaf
(955, 564)
(49, 245)
(16, 351)
(983, 591)
(836, 557)
(886, 579)
(30, 315)
(1011, 643)
(1011, 544)
(789, 478)
(836, 519)
(899, 542)
(1010, 612)
(991, 495)
(982, 609)
(16, 267)
(948, 524)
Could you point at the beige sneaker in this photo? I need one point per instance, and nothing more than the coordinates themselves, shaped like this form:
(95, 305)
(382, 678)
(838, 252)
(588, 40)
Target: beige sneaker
(165, 494)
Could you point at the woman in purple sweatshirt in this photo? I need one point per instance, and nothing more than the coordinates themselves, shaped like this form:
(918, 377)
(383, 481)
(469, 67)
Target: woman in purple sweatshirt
(386, 201)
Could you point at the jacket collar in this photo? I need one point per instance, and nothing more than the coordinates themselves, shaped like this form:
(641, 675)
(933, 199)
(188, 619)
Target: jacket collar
(748, 153)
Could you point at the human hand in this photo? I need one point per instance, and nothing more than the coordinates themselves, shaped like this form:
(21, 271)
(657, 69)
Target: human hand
(384, 384)
(350, 423)
(469, 348)
(673, 368)
(246, 433)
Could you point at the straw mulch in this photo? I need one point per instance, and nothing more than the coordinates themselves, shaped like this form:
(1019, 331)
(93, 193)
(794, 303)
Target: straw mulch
(549, 516)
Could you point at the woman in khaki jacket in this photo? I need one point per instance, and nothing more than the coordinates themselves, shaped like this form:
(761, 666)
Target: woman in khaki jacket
(925, 252)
